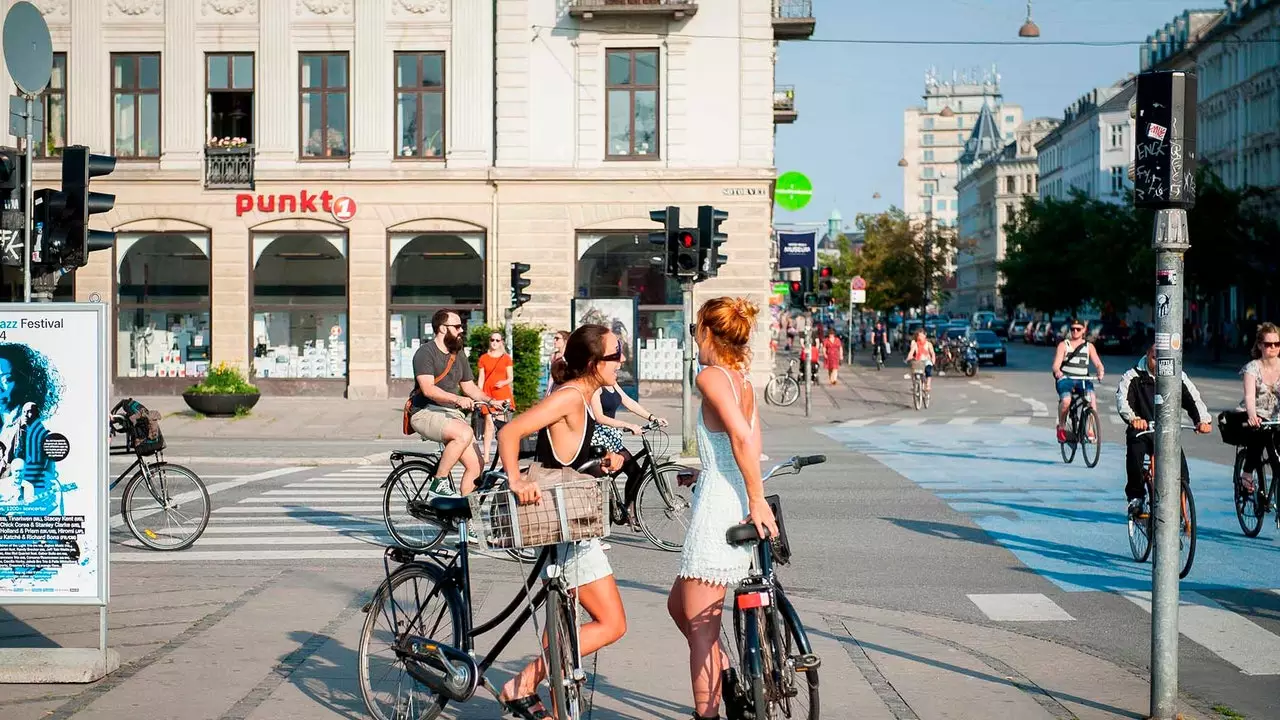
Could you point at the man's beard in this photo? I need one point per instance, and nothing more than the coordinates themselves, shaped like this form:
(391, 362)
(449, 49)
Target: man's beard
(454, 343)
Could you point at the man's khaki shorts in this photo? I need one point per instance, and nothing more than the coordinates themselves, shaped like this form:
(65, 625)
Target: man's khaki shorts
(430, 422)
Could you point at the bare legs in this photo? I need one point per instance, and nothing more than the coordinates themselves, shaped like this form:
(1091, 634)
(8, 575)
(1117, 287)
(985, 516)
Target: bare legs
(696, 608)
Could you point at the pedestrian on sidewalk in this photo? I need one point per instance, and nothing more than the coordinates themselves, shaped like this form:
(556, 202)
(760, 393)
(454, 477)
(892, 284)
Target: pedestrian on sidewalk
(564, 424)
(834, 350)
(730, 491)
(562, 336)
(497, 373)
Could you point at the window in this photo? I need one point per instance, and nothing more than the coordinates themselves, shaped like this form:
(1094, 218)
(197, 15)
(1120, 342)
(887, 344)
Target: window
(942, 204)
(928, 172)
(420, 105)
(955, 204)
(1117, 135)
(928, 123)
(428, 273)
(299, 305)
(322, 88)
(631, 104)
(927, 139)
(229, 83)
(1010, 185)
(616, 266)
(928, 156)
(924, 205)
(960, 122)
(1117, 179)
(930, 188)
(960, 138)
(1008, 119)
(54, 101)
(135, 97)
(162, 305)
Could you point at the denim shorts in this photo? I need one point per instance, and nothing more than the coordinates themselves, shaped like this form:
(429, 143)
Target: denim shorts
(1067, 384)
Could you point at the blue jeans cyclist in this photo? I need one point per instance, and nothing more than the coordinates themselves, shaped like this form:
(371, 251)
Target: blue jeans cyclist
(1070, 366)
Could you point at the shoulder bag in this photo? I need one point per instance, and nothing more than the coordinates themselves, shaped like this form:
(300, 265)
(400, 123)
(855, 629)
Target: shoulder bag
(408, 404)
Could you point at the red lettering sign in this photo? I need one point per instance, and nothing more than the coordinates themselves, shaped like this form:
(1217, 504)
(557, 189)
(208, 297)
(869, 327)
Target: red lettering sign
(341, 207)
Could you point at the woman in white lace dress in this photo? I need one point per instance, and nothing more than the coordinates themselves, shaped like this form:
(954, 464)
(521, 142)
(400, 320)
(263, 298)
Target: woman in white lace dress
(729, 491)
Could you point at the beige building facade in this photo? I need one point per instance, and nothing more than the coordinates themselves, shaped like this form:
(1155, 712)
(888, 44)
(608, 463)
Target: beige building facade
(301, 184)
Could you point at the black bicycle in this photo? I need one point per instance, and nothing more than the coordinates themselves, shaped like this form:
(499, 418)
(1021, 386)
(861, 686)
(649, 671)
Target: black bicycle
(431, 633)
(1141, 519)
(1253, 504)
(164, 505)
(775, 673)
(1083, 429)
(661, 499)
(783, 389)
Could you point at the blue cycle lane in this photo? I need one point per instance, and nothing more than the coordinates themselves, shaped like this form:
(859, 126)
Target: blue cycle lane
(1065, 522)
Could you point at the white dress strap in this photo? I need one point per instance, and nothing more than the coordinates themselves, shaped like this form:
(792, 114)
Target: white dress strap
(737, 400)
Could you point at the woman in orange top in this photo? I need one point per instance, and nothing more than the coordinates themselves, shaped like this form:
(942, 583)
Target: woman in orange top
(497, 372)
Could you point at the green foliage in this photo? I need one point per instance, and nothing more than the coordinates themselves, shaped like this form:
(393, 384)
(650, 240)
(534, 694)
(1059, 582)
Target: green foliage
(898, 254)
(527, 342)
(223, 379)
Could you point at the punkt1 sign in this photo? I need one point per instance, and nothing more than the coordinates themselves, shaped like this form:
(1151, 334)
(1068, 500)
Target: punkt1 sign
(341, 207)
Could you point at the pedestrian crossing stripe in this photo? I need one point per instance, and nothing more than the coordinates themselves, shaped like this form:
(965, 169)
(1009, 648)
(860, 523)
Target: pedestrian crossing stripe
(1227, 634)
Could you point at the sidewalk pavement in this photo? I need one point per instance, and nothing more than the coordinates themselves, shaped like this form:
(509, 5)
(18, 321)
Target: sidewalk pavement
(234, 642)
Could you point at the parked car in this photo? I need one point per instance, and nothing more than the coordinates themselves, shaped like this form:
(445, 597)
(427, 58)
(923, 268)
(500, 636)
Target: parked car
(1114, 338)
(1017, 329)
(991, 349)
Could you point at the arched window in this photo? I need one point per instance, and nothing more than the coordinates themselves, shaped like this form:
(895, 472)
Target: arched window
(162, 305)
(428, 273)
(11, 280)
(620, 265)
(300, 305)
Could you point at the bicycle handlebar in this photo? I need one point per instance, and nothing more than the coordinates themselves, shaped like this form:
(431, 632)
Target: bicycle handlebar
(1151, 427)
(793, 465)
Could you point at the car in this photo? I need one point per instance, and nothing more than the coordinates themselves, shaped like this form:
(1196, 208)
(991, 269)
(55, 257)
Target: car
(1017, 330)
(1113, 338)
(991, 349)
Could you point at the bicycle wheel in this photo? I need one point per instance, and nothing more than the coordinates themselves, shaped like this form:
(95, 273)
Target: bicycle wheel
(430, 609)
(1249, 503)
(1140, 528)
(172, 492)
(1187, 536)
(664, 508)
(785, 390)
(917, 392)
(927, 392)
(406, 483)
(798, 698)
(1090, 438)
(564, 672)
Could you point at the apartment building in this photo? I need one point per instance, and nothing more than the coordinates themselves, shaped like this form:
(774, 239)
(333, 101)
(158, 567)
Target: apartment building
(1091, 149)
(935, 133)
(301, 185)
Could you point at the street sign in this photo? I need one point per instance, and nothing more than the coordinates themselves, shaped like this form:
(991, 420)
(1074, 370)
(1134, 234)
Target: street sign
(858, 283)
(781, 288)
(18, 117)
(793, 191)
(857, 297)
(28, 49)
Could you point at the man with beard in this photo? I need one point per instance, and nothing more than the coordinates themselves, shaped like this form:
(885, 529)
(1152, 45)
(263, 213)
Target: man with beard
(444, 389)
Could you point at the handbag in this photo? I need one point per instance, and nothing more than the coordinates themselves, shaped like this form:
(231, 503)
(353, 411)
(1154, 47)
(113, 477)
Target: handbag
(408, 404)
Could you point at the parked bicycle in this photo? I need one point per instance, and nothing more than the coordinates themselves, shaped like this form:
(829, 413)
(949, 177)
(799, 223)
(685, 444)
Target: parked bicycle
(431, 633)
(775, 671)
(1142, 519)
(784, 388)
(1083, 428)
(919, 391)
(164, 505)
(1253, 505)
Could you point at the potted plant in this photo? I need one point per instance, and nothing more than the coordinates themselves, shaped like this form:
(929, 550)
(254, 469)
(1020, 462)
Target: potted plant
(222, 393)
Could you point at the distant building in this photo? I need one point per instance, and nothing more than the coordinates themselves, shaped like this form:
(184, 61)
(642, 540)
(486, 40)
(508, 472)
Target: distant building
(934, 137)
(991, 189)
(1092, 148)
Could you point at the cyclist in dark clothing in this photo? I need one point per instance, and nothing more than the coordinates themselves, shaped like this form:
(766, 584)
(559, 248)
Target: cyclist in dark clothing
(1136, 403)
(880, 341)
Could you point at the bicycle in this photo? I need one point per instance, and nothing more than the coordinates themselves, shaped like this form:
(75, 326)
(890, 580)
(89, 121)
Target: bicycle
(773, 650)
(659, 495)
(1141, 520)
(446, 666)
(919, 391)
(1083, 427)
(784, 388)
(878, 352)
(1252, 506)
(173, 488)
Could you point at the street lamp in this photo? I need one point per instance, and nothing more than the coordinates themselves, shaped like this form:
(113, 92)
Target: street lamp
(902, 162)
(946, 111)
(1029, 28)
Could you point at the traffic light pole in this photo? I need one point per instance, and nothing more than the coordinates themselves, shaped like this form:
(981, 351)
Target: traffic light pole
(28, 198)
(689, 441)
(808, 366)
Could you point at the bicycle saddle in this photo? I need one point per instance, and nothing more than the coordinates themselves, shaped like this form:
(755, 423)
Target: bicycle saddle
(744, 534)
(441, 507)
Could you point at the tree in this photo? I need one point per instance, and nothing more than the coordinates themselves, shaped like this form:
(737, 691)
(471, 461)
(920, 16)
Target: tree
(899, 256)
(1038, 271)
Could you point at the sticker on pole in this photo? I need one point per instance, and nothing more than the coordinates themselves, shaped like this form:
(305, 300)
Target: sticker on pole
(1166, 277)
(1162, 305)
(792, 191)
(1164, 367)
(1162, 341)
(1175, 341)
(1157, 132)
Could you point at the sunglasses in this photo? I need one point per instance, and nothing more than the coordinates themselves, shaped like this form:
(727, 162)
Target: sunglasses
(615, 356)
(1271, 344)
(1077, 328)
(498, 340)
(456, 327)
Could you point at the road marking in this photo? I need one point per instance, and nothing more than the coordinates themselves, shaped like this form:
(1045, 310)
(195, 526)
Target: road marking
(347, 524)
(300, 509)
(1019, 607)
(910, 421)
(963, 421)
(1229, 635)
(371, 552)
(272, 495)
(860, 422)
(1021, 420)
(118, 521)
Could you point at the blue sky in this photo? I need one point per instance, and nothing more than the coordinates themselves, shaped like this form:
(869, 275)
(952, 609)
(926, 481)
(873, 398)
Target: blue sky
(850, 97)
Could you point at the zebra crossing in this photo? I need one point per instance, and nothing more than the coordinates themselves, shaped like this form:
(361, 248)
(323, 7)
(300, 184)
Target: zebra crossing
(335, 516)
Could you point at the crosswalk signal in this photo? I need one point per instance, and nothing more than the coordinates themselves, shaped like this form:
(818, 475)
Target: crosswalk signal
(79, 166)
(710, 238)
(825, 280)
(797, 295)
(685, 248)
(518, 283)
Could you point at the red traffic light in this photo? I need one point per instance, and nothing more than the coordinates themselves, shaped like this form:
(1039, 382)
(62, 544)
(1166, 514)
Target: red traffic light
(795, 286)
(824, 272)
(687, 240)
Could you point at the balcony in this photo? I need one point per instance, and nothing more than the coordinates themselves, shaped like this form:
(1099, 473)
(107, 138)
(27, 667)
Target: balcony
(784, 105)
(228, 168)
(793, 19)
(586, 10)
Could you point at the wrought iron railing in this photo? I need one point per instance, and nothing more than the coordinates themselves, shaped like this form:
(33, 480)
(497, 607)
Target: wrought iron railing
(793, 9)
(784, 98)
(228, 168)
(600, 3)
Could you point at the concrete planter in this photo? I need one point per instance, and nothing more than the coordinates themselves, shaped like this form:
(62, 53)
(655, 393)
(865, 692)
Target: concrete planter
(220, 405)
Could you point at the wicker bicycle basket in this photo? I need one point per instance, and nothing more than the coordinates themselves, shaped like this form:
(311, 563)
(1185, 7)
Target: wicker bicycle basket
(917, 367)
(575, 510)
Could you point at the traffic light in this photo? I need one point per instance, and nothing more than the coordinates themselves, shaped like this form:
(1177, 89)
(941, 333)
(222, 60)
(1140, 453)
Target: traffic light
(710, 238)
(670, 220)
(825, 280)
(684, 250)
(79, 166)
(50, 240)
(797, 295)
(518, 284)
(11, 169)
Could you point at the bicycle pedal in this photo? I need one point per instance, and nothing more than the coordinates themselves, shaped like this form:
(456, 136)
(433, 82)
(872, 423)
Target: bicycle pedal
(809, 661)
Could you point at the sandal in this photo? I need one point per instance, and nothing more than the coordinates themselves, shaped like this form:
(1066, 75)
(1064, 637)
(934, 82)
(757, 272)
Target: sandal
(525, 708)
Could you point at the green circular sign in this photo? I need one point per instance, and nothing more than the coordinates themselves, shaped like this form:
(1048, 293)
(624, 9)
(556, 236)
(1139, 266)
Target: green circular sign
(793, 191)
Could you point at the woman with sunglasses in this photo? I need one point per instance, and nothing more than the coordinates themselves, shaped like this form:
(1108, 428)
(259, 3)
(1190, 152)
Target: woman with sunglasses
(497, 373)
(1261, 396)
(1071, 362)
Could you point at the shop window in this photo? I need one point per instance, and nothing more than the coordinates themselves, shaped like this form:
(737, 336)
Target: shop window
(429, 273)
(11, 286)
(322, 87)
(300, 306)
(229, 80)
(135, 93)
(619, 266)
(162, 305)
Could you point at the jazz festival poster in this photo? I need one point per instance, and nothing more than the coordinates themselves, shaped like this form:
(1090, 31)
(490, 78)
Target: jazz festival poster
(53, 448)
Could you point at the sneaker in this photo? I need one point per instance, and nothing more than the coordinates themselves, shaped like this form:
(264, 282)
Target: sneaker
(1062, 435)
(441, 486)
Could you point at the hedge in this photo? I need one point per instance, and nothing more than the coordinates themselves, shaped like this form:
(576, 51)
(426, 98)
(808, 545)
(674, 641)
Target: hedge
(527, 340)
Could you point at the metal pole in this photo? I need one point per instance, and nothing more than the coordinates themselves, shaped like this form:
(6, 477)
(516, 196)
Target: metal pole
(511, 350)
(808, 367)
(851, 329)
(28, 199)
(689, 442)
(1170, 241)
